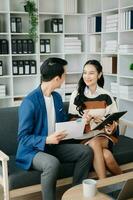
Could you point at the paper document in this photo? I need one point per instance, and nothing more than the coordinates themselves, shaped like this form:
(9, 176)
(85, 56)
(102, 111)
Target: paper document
(74, 129)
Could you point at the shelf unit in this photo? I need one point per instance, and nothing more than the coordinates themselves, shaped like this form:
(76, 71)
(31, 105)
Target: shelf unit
(75, 24)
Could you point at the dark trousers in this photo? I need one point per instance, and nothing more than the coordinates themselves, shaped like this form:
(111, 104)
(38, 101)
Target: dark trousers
(49, 163)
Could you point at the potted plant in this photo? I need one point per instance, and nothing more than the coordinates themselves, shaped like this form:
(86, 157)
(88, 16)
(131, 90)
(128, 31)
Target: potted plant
(30, 7)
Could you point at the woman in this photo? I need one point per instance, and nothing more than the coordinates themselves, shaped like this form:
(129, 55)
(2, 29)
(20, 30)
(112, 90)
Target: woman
(92, 102)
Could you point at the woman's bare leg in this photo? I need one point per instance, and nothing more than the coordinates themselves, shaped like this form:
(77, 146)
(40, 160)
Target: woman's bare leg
(111, 163)
(97, 144)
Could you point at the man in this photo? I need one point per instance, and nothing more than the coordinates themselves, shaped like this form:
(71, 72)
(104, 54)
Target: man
(40, 147)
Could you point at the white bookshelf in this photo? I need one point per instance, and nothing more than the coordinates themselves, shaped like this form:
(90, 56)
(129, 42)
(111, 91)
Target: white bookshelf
(75, 15)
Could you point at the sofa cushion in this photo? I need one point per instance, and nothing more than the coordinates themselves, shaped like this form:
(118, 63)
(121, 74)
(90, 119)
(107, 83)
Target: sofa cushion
(123, 150)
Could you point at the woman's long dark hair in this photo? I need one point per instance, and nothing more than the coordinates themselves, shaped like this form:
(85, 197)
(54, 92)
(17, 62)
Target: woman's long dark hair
(79, 99)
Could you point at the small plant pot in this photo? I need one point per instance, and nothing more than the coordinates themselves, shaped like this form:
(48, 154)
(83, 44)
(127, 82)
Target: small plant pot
(26, 8)
(131, 66)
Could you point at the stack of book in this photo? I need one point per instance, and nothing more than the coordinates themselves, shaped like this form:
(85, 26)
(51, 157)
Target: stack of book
(72, 45)
(111, 23)
(126, 91)
(109, 65)
(114, 88)
(94, 24)
(126, 48)
(95, 43)
(2, 90)
(110, 46)
(70, 6)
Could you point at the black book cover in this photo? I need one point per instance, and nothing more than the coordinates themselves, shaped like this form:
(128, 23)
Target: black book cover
(27, 67)
(14, 46)
(1, 68)
(33, 67)
(60, 25)
(4, 46)
(20, 67)
(131, 24)
(42, 46)
(98, 24)
(15, 67)
(19, 47)
(24, 46)
(13, 24)
(30, 46)
(18, 25)
(0, 47)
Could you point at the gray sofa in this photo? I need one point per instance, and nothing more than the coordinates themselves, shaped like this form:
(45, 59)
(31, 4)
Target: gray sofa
(19, 178)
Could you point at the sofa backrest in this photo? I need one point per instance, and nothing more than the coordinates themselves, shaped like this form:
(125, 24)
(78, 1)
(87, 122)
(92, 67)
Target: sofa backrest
(8, 129)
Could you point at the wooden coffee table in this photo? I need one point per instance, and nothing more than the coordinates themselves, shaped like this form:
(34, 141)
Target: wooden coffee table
(76, 192)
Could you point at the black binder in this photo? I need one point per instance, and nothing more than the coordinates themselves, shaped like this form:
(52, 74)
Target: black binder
(47, 46)
(26, 67)
(24, 46)
(15, 67)
(14, 46)
(51, 25)
(13, 25)
(20, 67)
(30, 46)
(60, 25)
(4, 46)
(18, 25)
(33, 67)
(19, 47)
(42, 46)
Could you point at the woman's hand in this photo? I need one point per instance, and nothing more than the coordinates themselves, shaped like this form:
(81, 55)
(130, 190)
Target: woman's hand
(110, 128)
(87, 117)
(56, 137)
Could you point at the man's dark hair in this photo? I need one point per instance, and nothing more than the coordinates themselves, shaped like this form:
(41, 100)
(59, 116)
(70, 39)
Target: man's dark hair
(51, 68)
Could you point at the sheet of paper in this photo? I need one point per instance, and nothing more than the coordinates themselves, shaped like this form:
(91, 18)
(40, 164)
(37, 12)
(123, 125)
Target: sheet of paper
(74, 129)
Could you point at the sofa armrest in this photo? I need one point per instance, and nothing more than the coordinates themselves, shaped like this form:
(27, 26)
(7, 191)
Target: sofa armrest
(124, 124)
(4, 176)
(3, 156)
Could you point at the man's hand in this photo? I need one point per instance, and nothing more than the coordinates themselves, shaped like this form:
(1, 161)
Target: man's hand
(56, 137)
